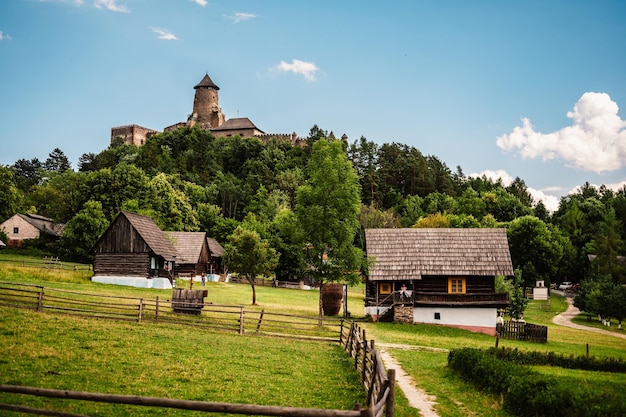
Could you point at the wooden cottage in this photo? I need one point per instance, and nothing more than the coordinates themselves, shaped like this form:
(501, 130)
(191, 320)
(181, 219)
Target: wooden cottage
(193, 253)
(134, 251)
(21, 227)
(216, 251)
(437, 276)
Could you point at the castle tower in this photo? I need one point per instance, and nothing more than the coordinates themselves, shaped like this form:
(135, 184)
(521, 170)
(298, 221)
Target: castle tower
(206, 109)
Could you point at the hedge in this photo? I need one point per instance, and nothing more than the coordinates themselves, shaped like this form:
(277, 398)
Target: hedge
(527, 393)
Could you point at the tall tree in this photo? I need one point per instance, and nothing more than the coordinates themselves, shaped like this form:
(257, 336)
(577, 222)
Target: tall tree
(57, 161)
(10, 197)
(327, 209)
(83, 230)
(247, 254)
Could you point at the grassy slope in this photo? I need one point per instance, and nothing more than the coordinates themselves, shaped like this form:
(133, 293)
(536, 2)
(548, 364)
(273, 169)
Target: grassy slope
(427, 368)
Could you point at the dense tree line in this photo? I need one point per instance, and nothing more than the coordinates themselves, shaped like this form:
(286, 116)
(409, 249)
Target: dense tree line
(189, 180)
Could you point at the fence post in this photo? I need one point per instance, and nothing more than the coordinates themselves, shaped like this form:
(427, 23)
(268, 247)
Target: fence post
(258, 326)
(156, 309)
(241, 320)
(391, 398)
(40, 300)
(348, 341)
(140, 310)
(364, 365)
(341, 332)
(356, 355)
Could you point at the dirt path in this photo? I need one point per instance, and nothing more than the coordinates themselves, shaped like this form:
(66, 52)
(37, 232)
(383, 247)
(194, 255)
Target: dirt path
(565, 319)
(417, 397)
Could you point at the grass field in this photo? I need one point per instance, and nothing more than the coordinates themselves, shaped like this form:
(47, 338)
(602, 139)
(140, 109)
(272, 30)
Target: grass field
(154, 359)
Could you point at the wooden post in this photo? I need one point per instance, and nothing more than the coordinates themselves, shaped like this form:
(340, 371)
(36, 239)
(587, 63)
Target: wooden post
(140, 310)
(341, 332)
(241, 320)
(356, 355)
(349, 340)
(364, 365)
(391, 398)
(40, 300)
(156, 309)
(497, 339)
(258, 326)
(587, 349)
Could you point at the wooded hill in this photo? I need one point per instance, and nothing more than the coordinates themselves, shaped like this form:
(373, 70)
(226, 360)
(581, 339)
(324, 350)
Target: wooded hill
(188, 180)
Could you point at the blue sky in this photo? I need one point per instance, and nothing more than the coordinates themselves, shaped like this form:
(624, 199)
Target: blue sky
(526, 89)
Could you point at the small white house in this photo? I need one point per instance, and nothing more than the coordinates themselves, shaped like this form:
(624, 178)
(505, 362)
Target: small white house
(540, 292)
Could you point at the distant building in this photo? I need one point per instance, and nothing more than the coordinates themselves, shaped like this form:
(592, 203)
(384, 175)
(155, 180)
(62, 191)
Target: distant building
(206, 113)
(21, 227)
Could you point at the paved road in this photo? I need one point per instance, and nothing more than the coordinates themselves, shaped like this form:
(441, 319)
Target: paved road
(565, 319)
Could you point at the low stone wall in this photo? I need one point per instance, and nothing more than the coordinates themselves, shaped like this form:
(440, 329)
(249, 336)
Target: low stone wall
(403, 314)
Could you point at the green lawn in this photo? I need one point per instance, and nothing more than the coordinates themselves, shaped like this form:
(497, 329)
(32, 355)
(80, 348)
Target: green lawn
(176, 362)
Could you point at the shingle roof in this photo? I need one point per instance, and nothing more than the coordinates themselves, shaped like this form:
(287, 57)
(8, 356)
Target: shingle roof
(44, 224)
(403, 254)
(215, 248)
(237, 123)
(152, 235)
(207, 83)
(188, 245)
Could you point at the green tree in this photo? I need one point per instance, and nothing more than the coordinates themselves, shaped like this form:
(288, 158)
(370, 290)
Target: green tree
(286, 236)
(249, 255)
(10, 196)
(328, 209)
(536, 249)
(57, 161)
(82, 231)
(609, 247)
(519, 302)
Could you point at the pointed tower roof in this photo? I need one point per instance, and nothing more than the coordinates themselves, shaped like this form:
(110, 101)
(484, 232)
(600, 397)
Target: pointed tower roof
(206, 82)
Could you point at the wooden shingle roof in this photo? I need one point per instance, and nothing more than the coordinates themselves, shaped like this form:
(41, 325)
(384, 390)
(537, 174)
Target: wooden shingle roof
(217, 251)
(152, 235)
(188, 245)
(404, 254)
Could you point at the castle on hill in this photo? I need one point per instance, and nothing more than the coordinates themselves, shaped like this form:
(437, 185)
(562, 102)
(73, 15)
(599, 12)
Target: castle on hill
(207, 114)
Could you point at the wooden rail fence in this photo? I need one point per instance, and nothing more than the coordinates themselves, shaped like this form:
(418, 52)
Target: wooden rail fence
(378, 383)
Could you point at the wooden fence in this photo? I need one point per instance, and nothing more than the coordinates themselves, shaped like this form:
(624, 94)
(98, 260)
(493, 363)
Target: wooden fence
(214, 316)
(517, 330)
(49, 262)
(378, 383)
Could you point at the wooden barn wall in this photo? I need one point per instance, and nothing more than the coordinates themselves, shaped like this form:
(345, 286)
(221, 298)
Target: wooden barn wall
(122, 237)
(122, 264)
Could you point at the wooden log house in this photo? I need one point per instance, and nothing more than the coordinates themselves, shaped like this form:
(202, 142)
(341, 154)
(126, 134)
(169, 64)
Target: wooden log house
(437, 276)
(134, 251)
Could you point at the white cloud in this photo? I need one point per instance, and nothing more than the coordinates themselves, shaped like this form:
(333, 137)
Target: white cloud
(307, 69)
(164, 34)
(202, 3)
(241, 17)
(551, 202)
(596, 141)
(111, 5)
(4, 36)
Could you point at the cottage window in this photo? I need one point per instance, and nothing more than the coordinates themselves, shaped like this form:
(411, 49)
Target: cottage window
(16, 230)
(385, 288)
(456, 285)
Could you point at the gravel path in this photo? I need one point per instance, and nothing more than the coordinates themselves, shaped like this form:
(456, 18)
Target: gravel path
(417, 397)
(565, 319)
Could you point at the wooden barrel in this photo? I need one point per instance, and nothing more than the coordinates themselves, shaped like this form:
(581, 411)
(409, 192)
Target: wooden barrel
(332, 296)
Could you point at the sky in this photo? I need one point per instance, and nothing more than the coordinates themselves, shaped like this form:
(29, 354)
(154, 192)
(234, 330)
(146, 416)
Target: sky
(528, 89)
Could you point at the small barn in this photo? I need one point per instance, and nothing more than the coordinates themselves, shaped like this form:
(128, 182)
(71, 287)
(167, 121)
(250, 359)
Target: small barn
(21, 227)
(437, 276)
(134, 251)
(193, 253)
(216, 252)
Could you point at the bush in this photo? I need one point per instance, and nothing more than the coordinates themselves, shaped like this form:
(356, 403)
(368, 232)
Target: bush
(529, 393)
(587, 363)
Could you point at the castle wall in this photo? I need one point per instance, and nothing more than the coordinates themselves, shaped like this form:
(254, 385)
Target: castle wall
(132, 134)
(206, 107)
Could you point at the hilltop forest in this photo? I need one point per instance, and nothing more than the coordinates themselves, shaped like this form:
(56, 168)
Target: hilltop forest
(189, 180)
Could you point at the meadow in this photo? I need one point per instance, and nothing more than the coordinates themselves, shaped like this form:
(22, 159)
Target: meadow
(47, 350)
